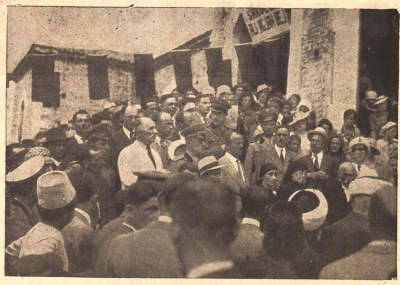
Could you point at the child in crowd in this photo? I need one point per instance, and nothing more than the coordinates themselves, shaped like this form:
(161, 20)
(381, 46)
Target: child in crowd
(349, 129)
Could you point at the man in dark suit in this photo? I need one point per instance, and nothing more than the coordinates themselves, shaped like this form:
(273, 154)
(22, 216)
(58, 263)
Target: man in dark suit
(349, 234)
(248, 242)
(82, 123)
(150, 252)
(164, 126)
(320, 165)
(219, 112)
(141, 209)
(125, 136)
(232, 174)
(79, 233)
(205, 213)
(377, 260)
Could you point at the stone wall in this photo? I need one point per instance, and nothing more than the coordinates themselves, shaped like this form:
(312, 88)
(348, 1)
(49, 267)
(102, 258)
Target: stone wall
(317, 58)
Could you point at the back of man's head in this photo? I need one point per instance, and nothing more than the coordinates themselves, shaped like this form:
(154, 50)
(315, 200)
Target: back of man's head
(83, 182)
(172, 183)
(206, 207)
(142, 191)
(383, 213)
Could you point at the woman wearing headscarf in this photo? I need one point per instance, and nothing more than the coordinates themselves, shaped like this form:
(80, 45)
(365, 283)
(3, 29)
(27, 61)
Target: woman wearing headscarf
(267, 177)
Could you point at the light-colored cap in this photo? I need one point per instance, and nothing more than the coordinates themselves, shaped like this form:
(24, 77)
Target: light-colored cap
(314, 219)
(262, 87)
(223, 89)
(371, 94)
(189, 106)
(359, 140)
(27, 169)
(208, 90)
(208, 163)
(389, 125)
(54, 190)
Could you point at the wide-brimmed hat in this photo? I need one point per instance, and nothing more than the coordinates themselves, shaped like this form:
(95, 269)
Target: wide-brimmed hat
(318, 131)
(177, 150)
(55, 134)
(208, 163)
(28, 169)
(388, 125)
(298, 116)
(315, 218)
(380, 100)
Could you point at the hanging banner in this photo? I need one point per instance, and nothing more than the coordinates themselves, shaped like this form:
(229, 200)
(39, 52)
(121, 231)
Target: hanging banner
(265, 23)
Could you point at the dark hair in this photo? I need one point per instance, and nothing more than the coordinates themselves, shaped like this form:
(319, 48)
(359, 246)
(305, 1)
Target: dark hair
(142, 191)
(276, 100)
(350, 112)
(244, 95)
(325, 122)
(185, 101)
(165, 97)
(78, 153)
(306, 201)
(297, 97)
(205, 204)
(283, 127)
(192, 89)
(177, 89)
(293, 137)
(294, 166)
(283, 229)
(264, 169)
(309, 126)
(174, 182)
(263, 114)
(340, 151)
(179, 120)
(245, 87)
(83, 183)
(53, 215)
(83, 112)
(200, 96)
(255, 200)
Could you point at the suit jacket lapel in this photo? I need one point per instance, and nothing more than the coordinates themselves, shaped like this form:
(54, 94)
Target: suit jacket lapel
(232, 172)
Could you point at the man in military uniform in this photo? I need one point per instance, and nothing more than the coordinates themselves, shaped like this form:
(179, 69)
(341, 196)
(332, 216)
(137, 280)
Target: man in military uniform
(219, 112)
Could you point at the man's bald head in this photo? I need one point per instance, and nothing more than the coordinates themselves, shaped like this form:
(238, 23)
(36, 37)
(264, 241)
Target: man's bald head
(347, 173)
(145, 130)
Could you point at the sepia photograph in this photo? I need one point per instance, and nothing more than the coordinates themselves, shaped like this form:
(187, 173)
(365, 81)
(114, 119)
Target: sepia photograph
(226, 142)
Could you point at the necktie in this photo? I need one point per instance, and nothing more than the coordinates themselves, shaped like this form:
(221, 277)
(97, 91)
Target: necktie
(240, 169)
(132, 136)
(281, 156)
(151, 156)
(316, 164)
(359, 168)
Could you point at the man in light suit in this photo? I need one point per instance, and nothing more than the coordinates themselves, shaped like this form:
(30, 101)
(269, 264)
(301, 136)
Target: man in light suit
(139, 156)
(232, 174)
(150, 252)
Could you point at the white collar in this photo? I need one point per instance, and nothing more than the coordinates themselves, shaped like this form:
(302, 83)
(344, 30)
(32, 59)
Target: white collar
(129, 226)
(208, 268)
(127, 132)
(164, 219)
(231, 159)
(278, 150)
(251, 221)
(84, 214)
(320, 155)
(78, 138)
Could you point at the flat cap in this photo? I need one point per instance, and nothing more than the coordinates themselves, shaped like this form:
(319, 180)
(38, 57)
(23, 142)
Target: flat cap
(220, 106)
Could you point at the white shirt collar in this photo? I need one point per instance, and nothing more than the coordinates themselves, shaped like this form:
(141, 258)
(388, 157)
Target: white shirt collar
(251, 221)
(78, 138)
(232, 159)
(278, 150)
(165, 219)
(84, 214)
(208, 268)
(320, 155)
(127, 132)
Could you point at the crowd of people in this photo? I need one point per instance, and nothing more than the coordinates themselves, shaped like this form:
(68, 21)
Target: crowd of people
(226, 183)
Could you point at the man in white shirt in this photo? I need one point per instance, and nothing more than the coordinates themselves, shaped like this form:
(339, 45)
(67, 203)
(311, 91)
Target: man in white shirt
(359, 149)
(139, 156)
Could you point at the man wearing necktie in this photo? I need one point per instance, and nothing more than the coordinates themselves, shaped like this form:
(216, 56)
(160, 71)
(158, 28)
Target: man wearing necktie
(139, 156)
(320, 165)
(233, 172)
(359, 150)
